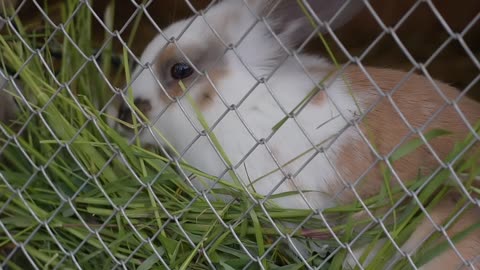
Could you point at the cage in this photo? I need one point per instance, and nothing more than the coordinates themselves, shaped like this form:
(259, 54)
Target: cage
(199, 149)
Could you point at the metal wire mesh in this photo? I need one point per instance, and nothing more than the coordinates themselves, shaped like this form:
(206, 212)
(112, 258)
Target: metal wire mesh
(224, 143)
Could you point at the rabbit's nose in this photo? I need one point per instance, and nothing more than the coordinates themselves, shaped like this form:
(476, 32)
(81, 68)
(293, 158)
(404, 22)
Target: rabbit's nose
(125, 113)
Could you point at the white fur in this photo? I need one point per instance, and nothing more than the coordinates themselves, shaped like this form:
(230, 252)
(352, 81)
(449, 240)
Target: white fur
(240, 130)
(258, 114)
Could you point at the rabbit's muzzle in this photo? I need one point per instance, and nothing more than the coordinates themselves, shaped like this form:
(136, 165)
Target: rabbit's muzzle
(143, 108)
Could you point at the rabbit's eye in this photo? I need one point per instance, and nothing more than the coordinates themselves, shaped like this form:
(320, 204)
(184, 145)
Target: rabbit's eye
(181, 71)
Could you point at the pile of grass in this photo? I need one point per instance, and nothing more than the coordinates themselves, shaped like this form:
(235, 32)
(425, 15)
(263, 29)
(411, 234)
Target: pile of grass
(74, 193)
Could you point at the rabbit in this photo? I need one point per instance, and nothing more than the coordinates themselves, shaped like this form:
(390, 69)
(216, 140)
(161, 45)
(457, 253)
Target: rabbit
(244, 74)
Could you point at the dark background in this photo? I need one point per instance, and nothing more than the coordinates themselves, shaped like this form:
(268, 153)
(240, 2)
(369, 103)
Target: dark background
(422, 33)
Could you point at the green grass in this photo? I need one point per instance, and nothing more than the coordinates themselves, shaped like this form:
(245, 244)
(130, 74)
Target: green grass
(70, 184)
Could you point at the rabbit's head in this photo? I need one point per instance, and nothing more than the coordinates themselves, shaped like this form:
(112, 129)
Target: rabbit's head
(233, 41)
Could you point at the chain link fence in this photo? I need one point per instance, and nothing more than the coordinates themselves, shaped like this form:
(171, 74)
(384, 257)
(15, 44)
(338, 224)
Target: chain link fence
(250, 134)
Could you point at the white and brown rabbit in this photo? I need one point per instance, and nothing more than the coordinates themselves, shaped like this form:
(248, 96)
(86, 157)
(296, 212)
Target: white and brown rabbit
(241, 71)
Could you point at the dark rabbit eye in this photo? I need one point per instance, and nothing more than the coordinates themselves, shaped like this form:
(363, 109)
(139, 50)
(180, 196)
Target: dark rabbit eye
(181, 71)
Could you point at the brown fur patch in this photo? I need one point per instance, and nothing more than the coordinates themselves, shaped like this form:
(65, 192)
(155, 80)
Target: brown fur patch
(174, 90)
(418, 101)
(319, 98)
(207, 91)
(164, 60)
(166, 55)
(469, 247)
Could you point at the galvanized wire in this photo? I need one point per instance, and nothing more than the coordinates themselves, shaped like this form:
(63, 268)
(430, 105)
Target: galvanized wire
(232, 109)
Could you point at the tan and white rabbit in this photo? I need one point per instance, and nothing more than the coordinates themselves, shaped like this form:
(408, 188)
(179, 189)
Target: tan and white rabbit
(245, 80)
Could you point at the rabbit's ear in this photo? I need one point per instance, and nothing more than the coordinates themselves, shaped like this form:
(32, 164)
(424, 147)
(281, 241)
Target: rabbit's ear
(290, 22)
